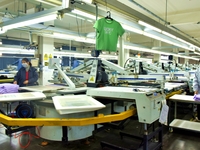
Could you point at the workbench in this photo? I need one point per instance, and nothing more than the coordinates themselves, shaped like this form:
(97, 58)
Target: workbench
(180, 123)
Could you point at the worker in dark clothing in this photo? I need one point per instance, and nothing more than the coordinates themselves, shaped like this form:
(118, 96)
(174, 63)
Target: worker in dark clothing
(27, 75)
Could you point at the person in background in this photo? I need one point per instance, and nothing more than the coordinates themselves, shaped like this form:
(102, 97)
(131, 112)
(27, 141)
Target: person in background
(196, 89)
(27, 75)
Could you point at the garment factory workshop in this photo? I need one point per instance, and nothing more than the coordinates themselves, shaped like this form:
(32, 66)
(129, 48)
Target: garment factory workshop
(99, 74)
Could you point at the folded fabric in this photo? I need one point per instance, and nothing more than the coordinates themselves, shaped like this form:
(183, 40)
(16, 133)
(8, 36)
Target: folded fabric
(196, 97)
(8, 88)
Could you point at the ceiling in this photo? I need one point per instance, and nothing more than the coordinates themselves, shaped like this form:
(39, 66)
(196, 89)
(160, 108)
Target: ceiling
(181, 16)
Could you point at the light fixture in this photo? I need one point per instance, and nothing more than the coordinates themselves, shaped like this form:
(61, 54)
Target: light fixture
(168, 34)
(64, 36)
(152, 36)
(85, 40)
(149, 26)
(135, 48)
(73, 37)
(30, 22)
(45, 2)
(82, 55)
(84, 14)
(71, 15)
(167, 40)
(10, 50)
(88, 1)
(129, 28)
(197, 53)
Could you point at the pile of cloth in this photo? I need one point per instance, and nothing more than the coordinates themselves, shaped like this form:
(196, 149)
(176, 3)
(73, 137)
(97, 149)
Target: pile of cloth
(196, 97)
(8, 88)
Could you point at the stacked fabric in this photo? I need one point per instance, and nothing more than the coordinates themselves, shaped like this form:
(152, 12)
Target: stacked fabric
(8, 88)
(196, 97)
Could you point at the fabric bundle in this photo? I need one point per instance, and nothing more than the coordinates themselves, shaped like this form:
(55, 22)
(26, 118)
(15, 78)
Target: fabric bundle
(196, 97)
(8, 88)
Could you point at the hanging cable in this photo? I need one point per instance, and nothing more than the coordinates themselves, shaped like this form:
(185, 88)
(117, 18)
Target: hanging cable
(166, 13)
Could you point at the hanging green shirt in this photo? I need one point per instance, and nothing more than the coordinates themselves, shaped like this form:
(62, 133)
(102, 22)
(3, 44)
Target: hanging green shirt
(108, 32)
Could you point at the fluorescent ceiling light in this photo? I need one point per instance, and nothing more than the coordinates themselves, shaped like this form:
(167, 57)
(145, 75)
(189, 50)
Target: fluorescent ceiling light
(149, 26)
(129, 28)
(168, 34)
(87, 1)
(73, 37)
(45, 2)
(30, 22)
(85, 40)
(197, 53)
(64, 36)
(152, 35)
(82, 55)
(157, 37)
(10, 50)
(84, 14)
(74, 16)
(184, 41)
(156, 52)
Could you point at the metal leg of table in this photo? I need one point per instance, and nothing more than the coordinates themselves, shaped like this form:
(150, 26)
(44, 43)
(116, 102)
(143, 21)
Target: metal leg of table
(175, 110)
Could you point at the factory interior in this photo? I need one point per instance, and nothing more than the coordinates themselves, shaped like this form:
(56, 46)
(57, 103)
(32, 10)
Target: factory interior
(99, 74)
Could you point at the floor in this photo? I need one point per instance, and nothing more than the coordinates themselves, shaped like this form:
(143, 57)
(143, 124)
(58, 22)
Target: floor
(177, 140)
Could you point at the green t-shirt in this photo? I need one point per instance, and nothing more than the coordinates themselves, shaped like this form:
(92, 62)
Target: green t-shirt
(108, 32)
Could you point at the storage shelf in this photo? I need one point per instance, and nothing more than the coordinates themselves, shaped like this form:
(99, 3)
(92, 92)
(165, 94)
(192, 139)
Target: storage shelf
(184, 124)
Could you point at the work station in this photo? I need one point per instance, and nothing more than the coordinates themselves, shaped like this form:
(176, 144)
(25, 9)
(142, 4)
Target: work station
(99, 74)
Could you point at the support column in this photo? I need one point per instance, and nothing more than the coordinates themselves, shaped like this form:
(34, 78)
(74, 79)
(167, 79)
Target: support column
(175, 50)
(186, 60)
(126, 55)
(46, 49)
(156, 57)
(121, 59)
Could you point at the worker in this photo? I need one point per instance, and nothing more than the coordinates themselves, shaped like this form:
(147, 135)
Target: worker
(196, 89)
(27, 75)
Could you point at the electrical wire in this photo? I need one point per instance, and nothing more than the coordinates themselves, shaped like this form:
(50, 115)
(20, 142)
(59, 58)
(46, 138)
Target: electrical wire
(24, 133)
(29, 139)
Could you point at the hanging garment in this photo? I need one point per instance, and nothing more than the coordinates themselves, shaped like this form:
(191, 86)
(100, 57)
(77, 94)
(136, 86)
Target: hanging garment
(108, 32)
(196, 97)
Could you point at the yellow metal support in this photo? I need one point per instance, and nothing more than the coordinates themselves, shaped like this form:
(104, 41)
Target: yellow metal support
(65, 122)
(6, 80)
(173, 93)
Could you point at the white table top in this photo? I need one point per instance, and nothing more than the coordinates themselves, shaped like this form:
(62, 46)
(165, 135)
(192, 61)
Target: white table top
(183, 98)
(171, 85)
(120, 93)
(27, 96)
(41, 88)
(73, 91)
(76, 103)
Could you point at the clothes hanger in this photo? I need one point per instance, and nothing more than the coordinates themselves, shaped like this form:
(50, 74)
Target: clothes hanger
(109, 16)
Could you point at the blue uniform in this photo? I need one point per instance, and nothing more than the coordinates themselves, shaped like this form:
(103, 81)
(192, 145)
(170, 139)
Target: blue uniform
(21, 77)
(196, 81)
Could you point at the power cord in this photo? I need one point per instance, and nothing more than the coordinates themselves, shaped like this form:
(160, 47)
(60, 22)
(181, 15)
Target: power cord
(29, 139)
